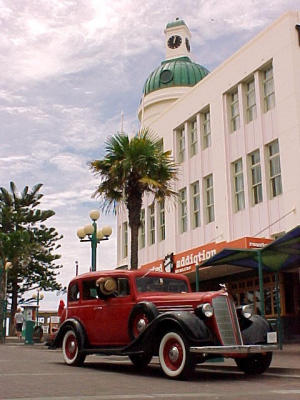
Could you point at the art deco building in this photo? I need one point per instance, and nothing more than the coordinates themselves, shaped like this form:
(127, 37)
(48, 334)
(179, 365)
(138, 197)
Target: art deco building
(235, 133)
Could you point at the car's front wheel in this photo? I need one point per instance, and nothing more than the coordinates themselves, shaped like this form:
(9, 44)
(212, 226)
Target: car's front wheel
(255, 364)
(71, 351)
(174, 356)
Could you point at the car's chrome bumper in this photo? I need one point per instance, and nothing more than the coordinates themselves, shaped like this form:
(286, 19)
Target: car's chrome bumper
(243, 349)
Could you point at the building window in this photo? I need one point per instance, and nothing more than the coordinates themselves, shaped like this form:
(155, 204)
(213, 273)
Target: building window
(255, 173)
(182, 211)
(193, 138)
(206, 132)
(181, 145)
(125, 240)
(162, 220)
(250, 101)
(268, 86)
(151, 210)
(209, 199)
(274, 168)
(195, 195)
(234, 111)
(142, 241)
(238, 181)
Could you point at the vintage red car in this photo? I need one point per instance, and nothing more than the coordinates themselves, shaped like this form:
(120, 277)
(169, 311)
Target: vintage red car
(141, 315)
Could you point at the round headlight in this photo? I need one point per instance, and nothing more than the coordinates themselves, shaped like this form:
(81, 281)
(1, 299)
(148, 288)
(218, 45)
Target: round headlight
(247, 311)
(207, 310)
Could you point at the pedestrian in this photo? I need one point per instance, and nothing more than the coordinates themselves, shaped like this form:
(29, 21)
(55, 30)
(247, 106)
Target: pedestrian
(19, 319)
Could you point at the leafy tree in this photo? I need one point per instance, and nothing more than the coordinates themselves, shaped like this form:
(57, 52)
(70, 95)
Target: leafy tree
(27, 243)
(130, 168)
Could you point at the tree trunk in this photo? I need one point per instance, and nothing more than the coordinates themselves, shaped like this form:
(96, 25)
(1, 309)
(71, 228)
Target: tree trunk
(14, 305)
(2, 300)
(134, 247)
(134, 206)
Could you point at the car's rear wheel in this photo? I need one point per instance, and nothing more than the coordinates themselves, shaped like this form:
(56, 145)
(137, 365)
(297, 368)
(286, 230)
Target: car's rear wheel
(140, 360)
(71, 351)
(174, 356)
(255, 364)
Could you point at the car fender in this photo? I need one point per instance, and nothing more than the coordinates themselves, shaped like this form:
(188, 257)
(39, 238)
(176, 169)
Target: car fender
(68, 324)
(194, 329)
(146, 307)
(257, 330)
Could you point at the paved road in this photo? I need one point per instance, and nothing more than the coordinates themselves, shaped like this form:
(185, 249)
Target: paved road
(34, 372)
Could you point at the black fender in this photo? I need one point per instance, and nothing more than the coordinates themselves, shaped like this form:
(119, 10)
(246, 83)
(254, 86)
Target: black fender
(146, 307)
(76, 326)
(256, 331)
(193, 328)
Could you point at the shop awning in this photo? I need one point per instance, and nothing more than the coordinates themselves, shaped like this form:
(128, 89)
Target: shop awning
(283, 253)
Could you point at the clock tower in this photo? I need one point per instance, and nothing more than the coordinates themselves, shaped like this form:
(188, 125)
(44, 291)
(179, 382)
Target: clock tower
(177, 39)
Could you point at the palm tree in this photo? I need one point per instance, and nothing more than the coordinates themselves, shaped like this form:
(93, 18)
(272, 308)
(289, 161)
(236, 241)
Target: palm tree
(130, 168)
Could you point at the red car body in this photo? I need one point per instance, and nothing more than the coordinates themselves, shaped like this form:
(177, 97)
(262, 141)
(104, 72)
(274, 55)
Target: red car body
(145, 314)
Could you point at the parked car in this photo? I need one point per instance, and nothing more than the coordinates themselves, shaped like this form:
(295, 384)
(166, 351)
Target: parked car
(141, 315)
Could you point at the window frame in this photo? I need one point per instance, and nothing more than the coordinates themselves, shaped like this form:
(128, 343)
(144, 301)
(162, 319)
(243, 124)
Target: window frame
(142, 230)
(193, 137)
(276, 177)
(268, 96)
(180, 136)
(234, 108)
(209, 198)
(250, 93)
(195, 204)
(151, 219)
(206, 128)
(161, 220)
(238, 185)
(183, 210)
(255, 173)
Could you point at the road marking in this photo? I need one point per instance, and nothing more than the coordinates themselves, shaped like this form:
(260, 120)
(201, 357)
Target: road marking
(291, 391)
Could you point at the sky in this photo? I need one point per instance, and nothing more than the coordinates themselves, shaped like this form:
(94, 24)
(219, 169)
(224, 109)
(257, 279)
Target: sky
(70, 68)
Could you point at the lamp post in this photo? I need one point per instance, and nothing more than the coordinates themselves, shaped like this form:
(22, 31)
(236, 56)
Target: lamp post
(38, 296)
(94, 235)
(4, 268)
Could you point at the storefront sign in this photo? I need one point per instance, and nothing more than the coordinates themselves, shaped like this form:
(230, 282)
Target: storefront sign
(186, 261)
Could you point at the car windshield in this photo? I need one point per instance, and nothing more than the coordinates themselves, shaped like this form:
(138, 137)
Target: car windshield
(160, 284)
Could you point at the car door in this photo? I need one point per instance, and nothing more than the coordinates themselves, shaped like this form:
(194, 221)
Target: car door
(106, 317)
(115, 314)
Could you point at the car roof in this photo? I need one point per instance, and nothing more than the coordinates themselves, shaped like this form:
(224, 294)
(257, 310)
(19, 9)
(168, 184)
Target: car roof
(127, 273)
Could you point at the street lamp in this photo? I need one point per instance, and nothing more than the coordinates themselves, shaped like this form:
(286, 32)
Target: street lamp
(38, 296)
(4, 268)
(93, 235)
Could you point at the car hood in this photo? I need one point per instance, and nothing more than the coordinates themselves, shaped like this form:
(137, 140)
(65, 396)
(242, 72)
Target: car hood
(193, 298)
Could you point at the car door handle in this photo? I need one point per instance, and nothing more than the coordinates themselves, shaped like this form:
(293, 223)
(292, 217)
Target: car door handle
(98, 308)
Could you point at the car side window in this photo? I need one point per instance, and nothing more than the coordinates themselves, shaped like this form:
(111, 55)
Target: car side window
(123, 287)
(73, 292)
(89, 290)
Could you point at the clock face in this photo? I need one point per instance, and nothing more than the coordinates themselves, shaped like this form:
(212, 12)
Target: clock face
(187, 43)
(174, 42)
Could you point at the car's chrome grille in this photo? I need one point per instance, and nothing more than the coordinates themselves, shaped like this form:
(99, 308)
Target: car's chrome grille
(188, 307)
(227, 320)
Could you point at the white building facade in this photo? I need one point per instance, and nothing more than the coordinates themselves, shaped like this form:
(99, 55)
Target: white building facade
(235, 134)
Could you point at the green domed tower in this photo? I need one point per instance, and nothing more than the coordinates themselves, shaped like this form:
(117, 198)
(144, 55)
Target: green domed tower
(174, 76)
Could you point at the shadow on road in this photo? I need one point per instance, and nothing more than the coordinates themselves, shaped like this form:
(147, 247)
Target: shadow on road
(202, 372)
